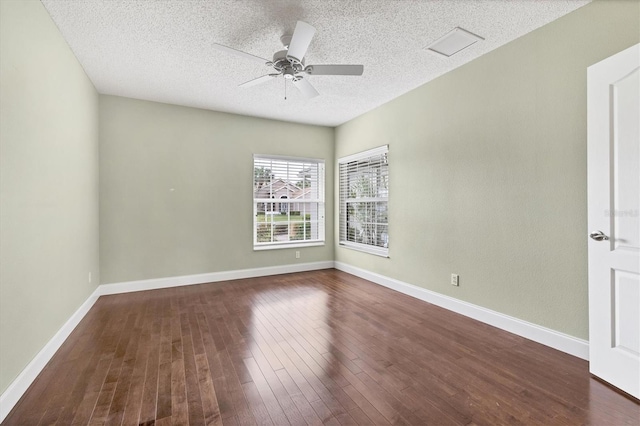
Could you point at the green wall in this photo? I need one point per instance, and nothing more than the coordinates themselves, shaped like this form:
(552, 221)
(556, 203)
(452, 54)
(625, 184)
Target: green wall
(488, 172)
(48, 184)
(176, 189)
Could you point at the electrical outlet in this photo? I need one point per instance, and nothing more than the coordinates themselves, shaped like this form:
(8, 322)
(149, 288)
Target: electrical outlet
(297, 254)
(89, 277)
(455, 279)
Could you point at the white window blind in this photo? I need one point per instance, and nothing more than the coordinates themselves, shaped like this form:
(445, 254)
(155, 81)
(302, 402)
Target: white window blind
(364, 195)
(288, 202)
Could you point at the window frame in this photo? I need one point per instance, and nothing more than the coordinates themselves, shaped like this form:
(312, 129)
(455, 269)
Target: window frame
(344, 200)
(320, 201)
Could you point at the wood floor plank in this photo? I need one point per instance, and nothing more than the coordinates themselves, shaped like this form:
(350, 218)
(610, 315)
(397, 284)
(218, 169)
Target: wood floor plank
(345, 419)
(299, 380)
(164, 407)
(149, 339)
(257, 405)
(194, 400)
(91, 394)
(108, 391)
(101, 409)
(210, 407)
(361, 418)
(230, 393)
(179, 404)
(209, 348)
(85, 367)
(325, 395)
(137, 347)
(271, 379)
(268, 398)
(319, 347)
(322, 411)
(150, 379)
(259, 338)
(231, 421)
(366, 406)
(306, 410)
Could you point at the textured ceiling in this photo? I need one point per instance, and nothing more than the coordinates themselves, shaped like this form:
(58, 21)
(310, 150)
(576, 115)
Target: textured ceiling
(162, 50)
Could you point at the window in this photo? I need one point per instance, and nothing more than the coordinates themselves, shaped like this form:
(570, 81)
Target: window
(364, 194)
(288, 202)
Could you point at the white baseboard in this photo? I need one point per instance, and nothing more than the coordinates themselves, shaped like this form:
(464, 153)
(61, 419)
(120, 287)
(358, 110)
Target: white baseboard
(153, 284)
(19, 386)
(546, 336)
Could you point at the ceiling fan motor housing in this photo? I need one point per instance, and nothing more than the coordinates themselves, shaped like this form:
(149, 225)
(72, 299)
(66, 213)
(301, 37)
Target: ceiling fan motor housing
(282, 64)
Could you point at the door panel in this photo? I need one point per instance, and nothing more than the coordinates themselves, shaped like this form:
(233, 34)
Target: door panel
(626, 312)
(626, 155)
(614, 210)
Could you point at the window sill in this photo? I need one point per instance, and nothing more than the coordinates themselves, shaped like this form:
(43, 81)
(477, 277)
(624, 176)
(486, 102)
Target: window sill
(377, 251)
(287, 245)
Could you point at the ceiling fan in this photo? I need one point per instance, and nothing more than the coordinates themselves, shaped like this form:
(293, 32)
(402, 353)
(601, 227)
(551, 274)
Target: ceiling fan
(290, 62)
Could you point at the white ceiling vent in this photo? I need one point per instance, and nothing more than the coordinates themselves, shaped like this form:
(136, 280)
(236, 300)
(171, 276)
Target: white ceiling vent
(453, 42)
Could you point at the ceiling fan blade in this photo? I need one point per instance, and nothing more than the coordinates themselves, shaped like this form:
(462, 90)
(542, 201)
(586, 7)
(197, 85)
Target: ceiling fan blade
(258, 80)
(305, 88)
(300, 41)
(334, 69)
(240, 53)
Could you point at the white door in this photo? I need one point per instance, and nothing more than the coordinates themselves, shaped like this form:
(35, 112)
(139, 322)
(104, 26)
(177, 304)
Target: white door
(614, 219)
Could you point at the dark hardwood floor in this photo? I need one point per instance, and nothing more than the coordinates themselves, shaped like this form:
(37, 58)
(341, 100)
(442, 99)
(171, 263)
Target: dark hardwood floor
(320, 347)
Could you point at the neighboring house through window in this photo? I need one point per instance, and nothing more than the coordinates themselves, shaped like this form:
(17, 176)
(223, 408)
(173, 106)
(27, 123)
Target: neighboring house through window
(364, 195)
(288, 202)
(284, 207)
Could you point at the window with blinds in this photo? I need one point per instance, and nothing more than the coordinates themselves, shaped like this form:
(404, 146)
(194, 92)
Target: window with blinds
(288, 202)
(364, 195)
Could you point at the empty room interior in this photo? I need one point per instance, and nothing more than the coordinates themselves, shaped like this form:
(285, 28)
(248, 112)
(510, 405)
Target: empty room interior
(319, 212)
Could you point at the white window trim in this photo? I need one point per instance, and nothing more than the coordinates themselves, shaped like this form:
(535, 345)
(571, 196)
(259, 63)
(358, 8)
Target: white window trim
(275, 245)
(378, 251)
(287, 244)
(375, 250)
(384, 149)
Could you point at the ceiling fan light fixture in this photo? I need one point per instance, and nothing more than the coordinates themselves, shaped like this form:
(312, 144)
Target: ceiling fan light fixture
(453, 42)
